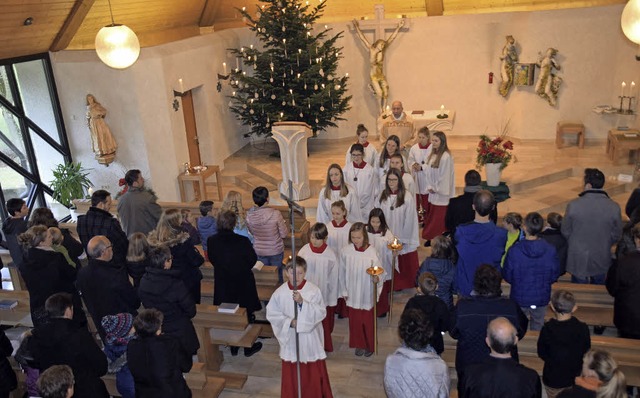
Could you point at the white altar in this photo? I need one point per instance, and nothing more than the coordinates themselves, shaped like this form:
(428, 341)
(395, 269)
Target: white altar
(430, 120)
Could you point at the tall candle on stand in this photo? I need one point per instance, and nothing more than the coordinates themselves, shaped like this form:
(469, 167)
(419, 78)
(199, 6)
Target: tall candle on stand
(632, 90)
(623, 85)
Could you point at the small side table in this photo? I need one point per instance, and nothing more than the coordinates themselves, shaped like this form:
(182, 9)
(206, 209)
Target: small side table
(622, 139)
(200, 178)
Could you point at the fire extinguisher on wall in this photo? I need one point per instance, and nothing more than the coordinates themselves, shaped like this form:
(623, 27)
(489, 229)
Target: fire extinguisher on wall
(490, 77)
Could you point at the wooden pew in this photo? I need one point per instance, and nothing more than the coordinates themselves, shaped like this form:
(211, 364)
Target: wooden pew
(584, 294)
(16, 278)
(215, 329)
(201, 385)
(625, 351)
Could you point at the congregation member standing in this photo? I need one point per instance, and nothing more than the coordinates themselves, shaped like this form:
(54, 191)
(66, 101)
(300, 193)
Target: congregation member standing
(306, 296)
(99, 221)
(601, 377)
(104, 284)
(370, 152)
(363, 178)
(531, 267)
(137, 208)
(460, 209)
(478, 242)
(592, 224)
(441, 185)
(399, 210)
(268, 229)
(336, 188)
(553, 235)
(13, 226)
(44, 216)
(499, 375)
(418, 155)
(186, 258)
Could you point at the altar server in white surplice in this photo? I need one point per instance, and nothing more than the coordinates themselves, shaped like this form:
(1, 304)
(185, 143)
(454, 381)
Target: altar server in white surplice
(357, 288)
(322, 271)
(370, 151)
(380, 236)
(338, 237)
(391, 147)
(441, 185)
(417, 164)
(360, 175)
(399, 209)
(311, 311)
(397, 162)
(336, 188)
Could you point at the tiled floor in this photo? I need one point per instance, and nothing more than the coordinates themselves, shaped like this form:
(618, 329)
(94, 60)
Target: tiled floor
(538, 184)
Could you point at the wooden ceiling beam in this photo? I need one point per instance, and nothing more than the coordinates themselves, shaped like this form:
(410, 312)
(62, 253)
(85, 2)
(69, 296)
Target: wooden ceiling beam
(71, 24)
(209, 13)
(434, 7)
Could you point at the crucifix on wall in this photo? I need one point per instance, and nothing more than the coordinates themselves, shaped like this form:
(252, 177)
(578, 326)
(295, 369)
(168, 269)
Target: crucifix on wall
(379, 26)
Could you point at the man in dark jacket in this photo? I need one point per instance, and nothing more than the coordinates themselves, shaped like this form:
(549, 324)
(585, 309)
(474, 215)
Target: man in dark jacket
(531, 267)
(14, 226)
(460, 209)
(623, 283)
(473, 314)
(104, 284)
(60, 342)
(592, 224)
(499, 375)
(99, 221)
(478, 242)
(137, 208)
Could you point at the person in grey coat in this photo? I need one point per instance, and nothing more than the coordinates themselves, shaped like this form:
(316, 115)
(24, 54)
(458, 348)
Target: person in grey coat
(591, 225)
(137, 208)
(415, 370)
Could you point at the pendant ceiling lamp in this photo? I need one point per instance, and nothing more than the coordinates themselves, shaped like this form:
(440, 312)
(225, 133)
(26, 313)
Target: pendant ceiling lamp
(117, 45)
(630, 21)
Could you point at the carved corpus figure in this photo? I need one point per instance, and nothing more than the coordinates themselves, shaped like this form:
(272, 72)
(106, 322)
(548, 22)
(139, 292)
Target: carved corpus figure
(508, 59)
(378, 83)
(548, 82)
(102, 141)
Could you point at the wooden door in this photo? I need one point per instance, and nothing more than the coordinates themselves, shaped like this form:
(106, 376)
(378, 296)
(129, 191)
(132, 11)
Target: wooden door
(190, 126)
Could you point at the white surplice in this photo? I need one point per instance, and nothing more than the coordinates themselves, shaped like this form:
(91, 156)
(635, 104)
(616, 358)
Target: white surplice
(356, 284)
(371, 155)
(441, 180)
(338, 237)
(403, 221)
(365, 181)
(322, 271)
(385, 254)
(419, 156)
(351, 202)
(280, 313)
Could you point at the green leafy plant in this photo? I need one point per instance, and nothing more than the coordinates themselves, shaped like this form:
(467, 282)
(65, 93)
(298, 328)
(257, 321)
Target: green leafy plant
(70, 182)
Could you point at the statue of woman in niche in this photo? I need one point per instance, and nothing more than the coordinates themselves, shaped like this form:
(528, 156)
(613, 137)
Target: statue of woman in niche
(378, 83)
(102, 141)
(548, 82)
(509, 57)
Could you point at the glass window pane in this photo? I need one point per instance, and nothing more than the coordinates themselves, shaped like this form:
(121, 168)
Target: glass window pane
(34, 92)
(58, 210)
(47, 157)
(11, 141)
(5, 89)
(13, 184)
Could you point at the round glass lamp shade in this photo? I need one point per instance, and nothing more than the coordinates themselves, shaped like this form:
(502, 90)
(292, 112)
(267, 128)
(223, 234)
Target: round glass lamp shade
(630, 21)
(117, 46)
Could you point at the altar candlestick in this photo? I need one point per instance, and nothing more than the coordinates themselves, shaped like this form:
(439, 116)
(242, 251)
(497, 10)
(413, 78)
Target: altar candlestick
(632, 89)
(623, 86)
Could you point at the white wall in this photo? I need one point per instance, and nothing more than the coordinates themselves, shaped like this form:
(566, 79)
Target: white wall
(439, 60)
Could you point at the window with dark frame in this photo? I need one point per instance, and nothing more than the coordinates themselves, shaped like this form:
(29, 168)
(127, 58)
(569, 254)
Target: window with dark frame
(32, 135)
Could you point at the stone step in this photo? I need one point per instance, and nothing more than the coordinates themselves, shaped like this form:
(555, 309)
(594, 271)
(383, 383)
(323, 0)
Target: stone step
(250, 181)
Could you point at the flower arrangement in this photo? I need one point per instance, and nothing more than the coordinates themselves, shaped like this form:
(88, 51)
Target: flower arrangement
(495, 150)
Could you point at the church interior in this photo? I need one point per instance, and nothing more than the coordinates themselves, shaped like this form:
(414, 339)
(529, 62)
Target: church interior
(171, 108)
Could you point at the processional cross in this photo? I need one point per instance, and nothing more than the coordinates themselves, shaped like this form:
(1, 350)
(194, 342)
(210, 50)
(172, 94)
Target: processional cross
(379, 26)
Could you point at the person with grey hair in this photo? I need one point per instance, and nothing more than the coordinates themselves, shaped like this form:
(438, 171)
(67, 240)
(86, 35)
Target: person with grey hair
(500, 375)
(104, 283)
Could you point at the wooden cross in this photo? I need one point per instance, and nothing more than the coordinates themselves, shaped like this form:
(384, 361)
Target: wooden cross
(379, 25)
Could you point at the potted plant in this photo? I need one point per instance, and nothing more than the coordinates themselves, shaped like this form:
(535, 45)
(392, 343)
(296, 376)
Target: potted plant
(494, 154)
(70, 182)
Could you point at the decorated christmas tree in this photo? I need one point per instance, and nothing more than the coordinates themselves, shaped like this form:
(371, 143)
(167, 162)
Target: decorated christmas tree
(291, 74)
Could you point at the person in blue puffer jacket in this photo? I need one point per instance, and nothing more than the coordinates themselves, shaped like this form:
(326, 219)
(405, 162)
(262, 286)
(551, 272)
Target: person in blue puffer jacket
(441, 263)
(531, 267)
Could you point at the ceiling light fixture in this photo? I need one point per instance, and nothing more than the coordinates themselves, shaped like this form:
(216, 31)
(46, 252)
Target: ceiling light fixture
(117, 45)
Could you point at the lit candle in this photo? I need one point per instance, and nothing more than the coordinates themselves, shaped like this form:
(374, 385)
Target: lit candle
(234, 93)
(180, 86)
(632, 90)
(346, 74)
(623, 85)
(375, 269)
(224, 66)
(442, 109)
(90, 190)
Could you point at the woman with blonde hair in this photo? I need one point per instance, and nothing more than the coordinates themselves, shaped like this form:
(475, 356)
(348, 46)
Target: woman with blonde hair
(233, 202)
(137, 257)
(186, 258)
(441, 185)
(601, 378)
(335, 189)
